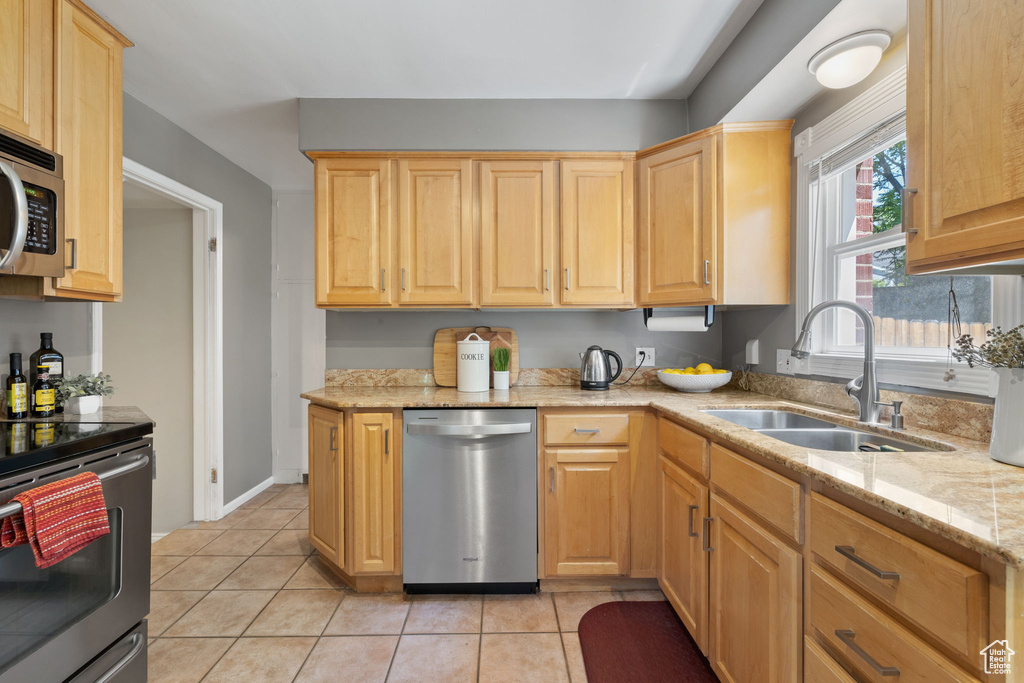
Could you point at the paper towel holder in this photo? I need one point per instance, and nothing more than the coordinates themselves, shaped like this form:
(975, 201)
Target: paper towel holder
(709, 315)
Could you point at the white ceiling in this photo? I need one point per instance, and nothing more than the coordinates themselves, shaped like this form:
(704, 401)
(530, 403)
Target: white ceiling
(229, 71)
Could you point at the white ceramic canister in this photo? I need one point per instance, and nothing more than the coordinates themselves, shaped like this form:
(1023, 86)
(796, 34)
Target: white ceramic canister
(473, 367)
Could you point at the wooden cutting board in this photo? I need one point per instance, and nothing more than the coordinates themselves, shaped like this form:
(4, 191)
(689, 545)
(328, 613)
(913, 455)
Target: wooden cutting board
(445, 349)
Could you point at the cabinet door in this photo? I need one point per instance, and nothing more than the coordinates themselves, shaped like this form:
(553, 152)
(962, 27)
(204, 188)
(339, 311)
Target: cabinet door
(436, 232)
(353, 232)
(326, 483)
(677, 225)
(517, 233)
(89, 137)
(682, 563)
(597, 232)
(586, 513)
(965, 141)
(755, 600)
(373, 494)
(26, 80)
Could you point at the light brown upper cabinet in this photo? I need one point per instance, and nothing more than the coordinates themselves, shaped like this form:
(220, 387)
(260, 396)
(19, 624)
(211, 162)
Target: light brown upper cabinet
(597, 232)
(965, 140)
(86, 122)
(353, 232)
(435, 234)
(517, 233)
(26, 80)
(714, 217)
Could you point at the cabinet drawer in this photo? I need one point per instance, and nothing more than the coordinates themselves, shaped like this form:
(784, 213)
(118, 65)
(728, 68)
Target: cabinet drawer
(770, 495)
(819, 667)
(586, 430)
(867, 640)
(913, 575)
(683, 446)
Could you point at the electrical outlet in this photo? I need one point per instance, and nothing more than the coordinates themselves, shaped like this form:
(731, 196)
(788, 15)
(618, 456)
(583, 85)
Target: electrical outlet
(648, 359)
(785, 363)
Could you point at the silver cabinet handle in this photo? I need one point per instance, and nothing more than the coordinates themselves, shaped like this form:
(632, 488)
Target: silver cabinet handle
(552, 479)
(383, 281)
(707, 268)
(469, 430)
(567, 279)
(14, 507)
(689, 522)
(137, 642)
(74, 252)
(334, 436)
(850, 553)
(707, 535)
(847, 637)
(547, 279)
(403, 279)
(907, 201)
(387, 441)
(586, 431)
(20, 232)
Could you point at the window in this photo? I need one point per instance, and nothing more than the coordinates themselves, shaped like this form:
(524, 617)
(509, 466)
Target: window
(851, 170)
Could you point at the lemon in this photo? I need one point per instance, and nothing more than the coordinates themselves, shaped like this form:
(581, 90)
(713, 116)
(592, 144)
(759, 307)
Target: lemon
(705, 368)
(721, 372)
(689, 371)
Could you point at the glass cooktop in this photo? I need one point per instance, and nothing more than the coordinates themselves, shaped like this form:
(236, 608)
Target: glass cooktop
(26, 444)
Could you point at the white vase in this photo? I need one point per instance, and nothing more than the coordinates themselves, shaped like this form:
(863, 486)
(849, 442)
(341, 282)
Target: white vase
(501, 380)
(83, 405)
(1007, 443)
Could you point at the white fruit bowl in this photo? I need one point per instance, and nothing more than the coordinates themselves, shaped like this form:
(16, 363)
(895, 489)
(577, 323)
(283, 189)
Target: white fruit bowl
(694, 384)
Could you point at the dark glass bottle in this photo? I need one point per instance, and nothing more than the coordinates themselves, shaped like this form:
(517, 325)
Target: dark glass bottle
(17, 390)
(51, 358)
(43, 394)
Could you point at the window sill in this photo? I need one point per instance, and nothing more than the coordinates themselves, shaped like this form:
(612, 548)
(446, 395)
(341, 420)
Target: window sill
(921, 374)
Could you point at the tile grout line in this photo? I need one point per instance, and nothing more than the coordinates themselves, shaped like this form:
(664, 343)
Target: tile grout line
(398, 642)
(480, 637)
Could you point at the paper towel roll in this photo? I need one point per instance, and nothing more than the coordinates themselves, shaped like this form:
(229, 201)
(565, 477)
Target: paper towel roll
(677, 323)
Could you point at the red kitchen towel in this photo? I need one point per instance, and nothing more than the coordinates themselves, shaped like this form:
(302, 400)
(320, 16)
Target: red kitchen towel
(58, 519)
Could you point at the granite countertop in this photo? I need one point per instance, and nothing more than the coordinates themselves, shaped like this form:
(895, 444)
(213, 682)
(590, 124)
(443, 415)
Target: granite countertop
(959, 494)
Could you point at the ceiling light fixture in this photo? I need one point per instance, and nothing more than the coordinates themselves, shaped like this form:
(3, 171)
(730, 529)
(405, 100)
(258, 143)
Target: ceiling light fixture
(849, 60)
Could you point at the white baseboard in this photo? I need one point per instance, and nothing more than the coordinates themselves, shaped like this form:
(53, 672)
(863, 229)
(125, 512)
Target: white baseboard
(157, 537)
(247, 496)
(288, 476)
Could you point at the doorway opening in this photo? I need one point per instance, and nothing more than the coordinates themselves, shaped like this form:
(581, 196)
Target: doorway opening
(173, 264)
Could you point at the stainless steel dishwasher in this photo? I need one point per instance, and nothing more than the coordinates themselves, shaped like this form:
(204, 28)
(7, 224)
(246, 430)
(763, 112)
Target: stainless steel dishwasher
(469, 500)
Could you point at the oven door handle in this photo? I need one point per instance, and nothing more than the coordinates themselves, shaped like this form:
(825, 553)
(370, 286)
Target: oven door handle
(137, 642)
(20, 232)
(14, 507)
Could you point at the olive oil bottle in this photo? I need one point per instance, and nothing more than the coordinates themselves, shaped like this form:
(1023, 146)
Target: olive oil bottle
(43, 394)
(17, 390)
(51, 358)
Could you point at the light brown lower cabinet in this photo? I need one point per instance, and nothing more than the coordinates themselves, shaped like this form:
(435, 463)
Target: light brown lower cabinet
(755, 599)
(326, 484)
(586, 511)
(373, 494)
(682, 562)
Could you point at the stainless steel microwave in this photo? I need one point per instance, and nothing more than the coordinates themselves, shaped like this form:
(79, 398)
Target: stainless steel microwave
(31, 209)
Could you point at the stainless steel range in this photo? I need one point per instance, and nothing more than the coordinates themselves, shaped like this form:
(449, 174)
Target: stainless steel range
(83, 619)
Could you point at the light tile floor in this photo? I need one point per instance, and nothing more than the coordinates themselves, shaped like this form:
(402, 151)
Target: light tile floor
(245, 599)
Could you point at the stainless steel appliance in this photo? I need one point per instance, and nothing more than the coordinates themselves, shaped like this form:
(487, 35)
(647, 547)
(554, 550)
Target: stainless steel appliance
(31, 209)
(83, 619)
(596, 370)
(469, 500)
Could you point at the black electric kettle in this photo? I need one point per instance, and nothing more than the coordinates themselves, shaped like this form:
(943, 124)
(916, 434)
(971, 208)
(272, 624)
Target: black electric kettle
(596, 370)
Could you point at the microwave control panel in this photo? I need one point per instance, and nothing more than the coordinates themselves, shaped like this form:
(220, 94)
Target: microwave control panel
(42, 220)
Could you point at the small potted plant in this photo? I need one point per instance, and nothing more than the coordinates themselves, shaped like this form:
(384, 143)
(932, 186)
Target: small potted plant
(499, 361)
(1004, 353)
(83, 394)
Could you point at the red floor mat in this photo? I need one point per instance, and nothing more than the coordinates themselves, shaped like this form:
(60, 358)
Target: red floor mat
(640, 641)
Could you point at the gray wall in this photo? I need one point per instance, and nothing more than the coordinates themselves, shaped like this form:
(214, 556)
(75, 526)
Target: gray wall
(397, 124)
(155, 142)
(776, 27)
(547, 339)
(147, 348)
(22, 321)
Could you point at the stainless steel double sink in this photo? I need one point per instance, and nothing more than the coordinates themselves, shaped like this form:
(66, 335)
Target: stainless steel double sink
(810, 432)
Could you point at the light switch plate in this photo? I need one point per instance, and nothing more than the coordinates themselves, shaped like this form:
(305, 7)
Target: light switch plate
(648, 359)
